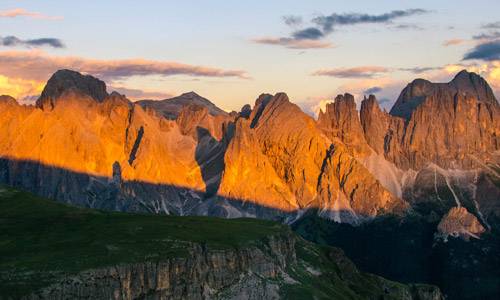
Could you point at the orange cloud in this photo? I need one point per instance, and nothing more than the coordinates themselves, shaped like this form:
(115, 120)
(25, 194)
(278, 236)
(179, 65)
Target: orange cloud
(294, 43)
(21, 12)
(20, 88)
(454, 42)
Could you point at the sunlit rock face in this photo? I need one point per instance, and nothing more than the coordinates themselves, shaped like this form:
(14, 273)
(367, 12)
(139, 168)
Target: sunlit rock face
(458, 222)
(186, 156)
(341, 120)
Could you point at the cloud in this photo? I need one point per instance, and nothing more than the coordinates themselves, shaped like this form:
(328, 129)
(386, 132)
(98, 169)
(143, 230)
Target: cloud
(37, 65)
(328, 23)
(20, 12)
(308, 37)
(12, 41)
(407, 27)
(138, 94)
(373, 90)
(294, 44)
(356, 72)
(419, 70)
(454, 42)
(488, 51)
(487, 36)
(494, 25)
(19, 87)
(310, 33)
(292, 20)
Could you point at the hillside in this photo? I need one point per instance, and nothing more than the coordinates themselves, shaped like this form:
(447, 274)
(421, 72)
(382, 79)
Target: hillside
(52, 250)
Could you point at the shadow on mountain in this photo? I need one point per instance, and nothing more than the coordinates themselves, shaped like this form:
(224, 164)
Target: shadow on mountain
(209, 155)
(115, 193)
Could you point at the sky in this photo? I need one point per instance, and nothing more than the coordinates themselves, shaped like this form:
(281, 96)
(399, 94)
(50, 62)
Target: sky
(232, 51)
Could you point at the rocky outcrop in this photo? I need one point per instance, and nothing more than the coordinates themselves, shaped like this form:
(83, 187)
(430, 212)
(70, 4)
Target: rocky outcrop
(242, 273)
(171, 108)
(458, 222)
(270, 270)
(65, 80)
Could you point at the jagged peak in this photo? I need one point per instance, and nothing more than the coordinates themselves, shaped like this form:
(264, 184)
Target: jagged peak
(370, 102)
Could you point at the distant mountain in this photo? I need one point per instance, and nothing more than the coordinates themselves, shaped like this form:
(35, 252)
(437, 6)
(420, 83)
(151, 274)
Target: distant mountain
(170, 108)
(464, 83)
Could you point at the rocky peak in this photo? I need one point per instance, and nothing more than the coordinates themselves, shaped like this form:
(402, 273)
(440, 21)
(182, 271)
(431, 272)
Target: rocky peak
(340, 120)
(375, 123)
(65, 80)
(415, 93)
(473, 84)
(246, 110)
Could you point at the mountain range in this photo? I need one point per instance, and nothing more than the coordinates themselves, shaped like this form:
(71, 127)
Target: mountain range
(435, 156)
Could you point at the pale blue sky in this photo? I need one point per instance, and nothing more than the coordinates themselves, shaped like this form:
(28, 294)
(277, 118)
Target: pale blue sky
(219, 34)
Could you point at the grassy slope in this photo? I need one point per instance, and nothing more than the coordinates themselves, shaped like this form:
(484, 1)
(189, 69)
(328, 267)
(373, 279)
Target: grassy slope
(42, 235)
(41, 239)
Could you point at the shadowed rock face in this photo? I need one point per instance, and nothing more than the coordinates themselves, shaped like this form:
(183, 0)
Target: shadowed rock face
(65, 80)
(454, 125)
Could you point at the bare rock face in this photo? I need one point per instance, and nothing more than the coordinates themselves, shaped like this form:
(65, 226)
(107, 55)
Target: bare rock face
(171, 108)
(320, 172)
(250, 176)
(65, 80)
(341, 120)
(454, 125)
(458, 222)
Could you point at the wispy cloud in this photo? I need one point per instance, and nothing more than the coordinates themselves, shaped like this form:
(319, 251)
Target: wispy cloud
(356, 72)
(493, 25)
(454, 42)
(20, 12)
(488, 51)
(308, 37)
(419, 70)
(12, 41)
(487, 36)
(329, 23)
(36, 64)
(294, 43)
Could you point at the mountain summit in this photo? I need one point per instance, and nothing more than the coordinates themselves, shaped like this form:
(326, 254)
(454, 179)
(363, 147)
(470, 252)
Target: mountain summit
(171, 108)
(68, 80)
(463, 83)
